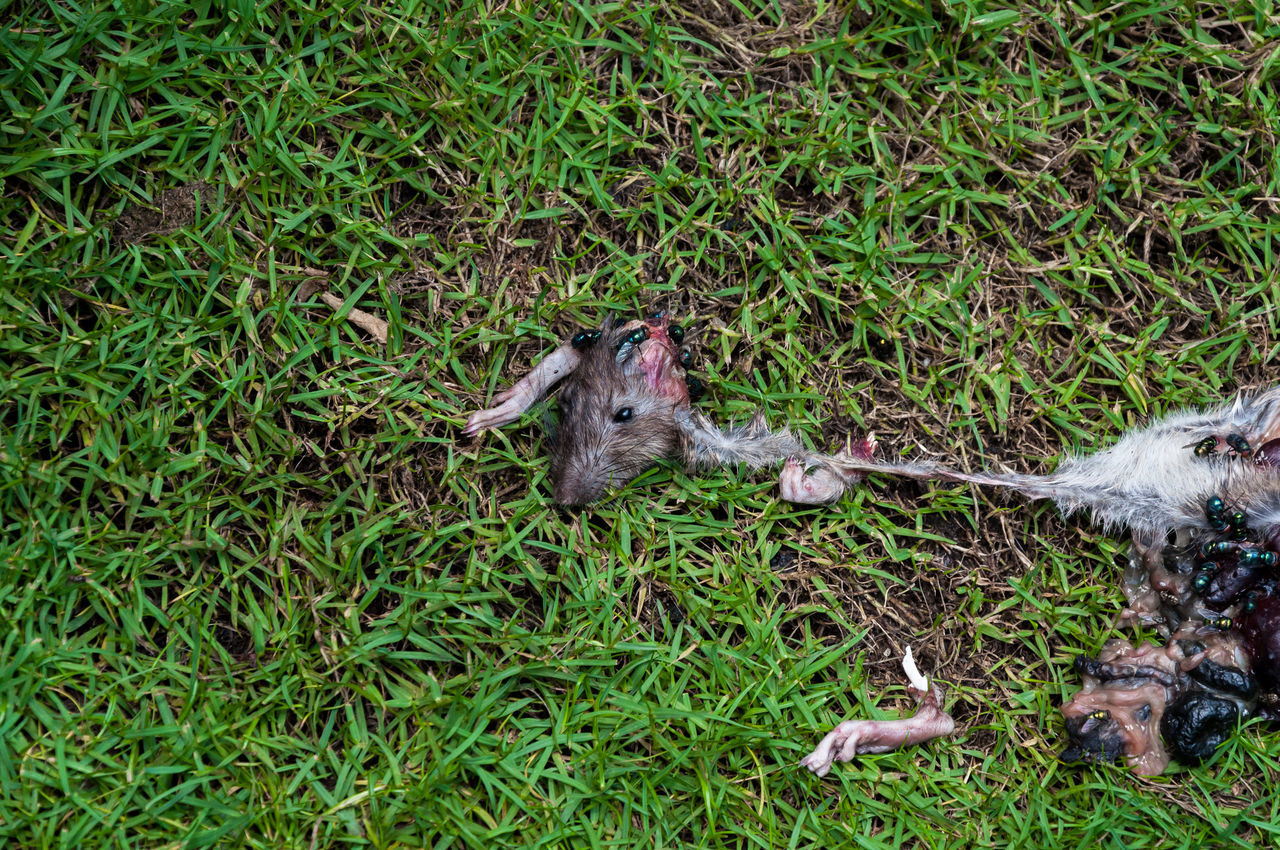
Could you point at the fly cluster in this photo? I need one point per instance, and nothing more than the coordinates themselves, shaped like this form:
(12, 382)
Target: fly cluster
(1237, 446)
(1237, 565)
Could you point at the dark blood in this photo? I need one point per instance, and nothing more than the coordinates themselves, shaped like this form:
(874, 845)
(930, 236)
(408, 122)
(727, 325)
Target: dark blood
(1268, 454)
(1230, 582)
(1261, 629)
(1229, 680)
(1093, 739)
(1107, 672)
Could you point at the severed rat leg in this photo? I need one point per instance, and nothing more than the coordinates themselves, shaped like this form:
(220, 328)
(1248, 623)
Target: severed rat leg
(524, 394)
(859, 737)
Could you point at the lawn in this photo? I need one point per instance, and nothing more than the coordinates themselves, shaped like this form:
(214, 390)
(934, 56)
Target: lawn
(258, 591)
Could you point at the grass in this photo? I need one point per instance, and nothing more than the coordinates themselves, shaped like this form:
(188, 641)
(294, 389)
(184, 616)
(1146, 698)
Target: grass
(257, 592)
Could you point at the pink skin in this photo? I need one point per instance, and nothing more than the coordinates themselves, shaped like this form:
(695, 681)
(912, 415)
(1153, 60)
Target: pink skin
(658, 358)
(824, 484)
(820, 487)
(862, 737)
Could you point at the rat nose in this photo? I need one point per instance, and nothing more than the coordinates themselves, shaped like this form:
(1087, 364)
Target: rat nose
(576, 492)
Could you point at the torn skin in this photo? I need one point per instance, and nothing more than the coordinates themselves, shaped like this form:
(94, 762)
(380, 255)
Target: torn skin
(866, 737)
(1184, 699)
(1148, 704)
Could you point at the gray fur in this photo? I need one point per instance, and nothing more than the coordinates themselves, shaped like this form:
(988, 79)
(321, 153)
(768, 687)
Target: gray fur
(592, 451)
(1151, 481)
(705, 446)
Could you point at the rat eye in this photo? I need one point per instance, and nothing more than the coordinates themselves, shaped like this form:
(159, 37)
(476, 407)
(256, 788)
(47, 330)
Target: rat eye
(623, 415)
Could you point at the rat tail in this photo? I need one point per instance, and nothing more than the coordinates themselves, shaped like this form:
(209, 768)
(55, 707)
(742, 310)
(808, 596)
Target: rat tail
(1032, 486)
(1117, 496)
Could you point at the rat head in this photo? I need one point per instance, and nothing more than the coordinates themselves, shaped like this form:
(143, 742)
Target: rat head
(617, 409)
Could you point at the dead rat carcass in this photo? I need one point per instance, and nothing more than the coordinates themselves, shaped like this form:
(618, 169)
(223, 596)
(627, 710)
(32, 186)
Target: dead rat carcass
(1200, 493)
(624, 405)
